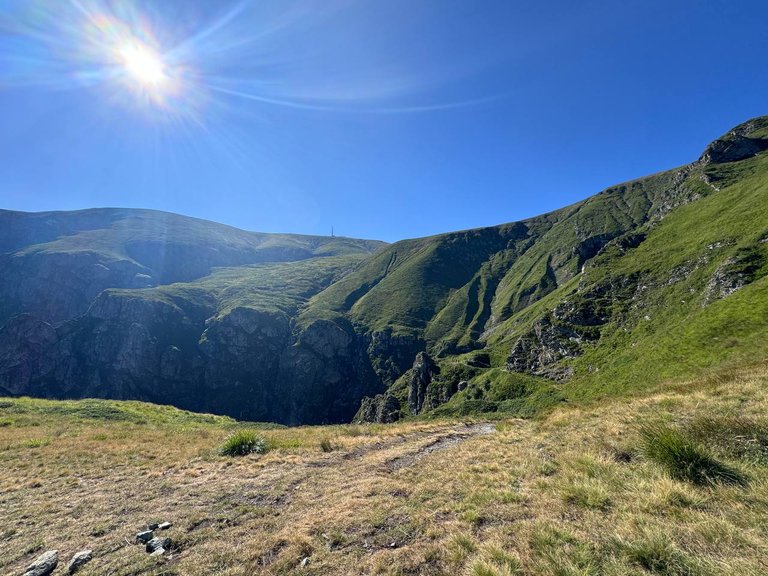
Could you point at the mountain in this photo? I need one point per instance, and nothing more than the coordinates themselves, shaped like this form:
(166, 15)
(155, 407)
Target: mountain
(56, 263)
(657, 278)
(142, 304)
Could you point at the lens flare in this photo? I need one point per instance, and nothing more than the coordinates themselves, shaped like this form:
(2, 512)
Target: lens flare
(189, 67)
(143, 65)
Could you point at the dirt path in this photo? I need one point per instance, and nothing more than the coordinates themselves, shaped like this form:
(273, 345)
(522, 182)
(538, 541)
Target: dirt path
(442, 442)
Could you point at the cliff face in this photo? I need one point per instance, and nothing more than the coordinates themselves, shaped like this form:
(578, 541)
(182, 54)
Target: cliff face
(244, 361)
(632, 284)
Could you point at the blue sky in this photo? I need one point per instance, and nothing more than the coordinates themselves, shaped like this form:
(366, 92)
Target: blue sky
(386, 119)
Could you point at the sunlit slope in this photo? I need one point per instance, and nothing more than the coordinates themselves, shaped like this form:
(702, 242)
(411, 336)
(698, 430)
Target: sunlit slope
(669, 298)
(450, 289)
(654, 278)
(60, 261)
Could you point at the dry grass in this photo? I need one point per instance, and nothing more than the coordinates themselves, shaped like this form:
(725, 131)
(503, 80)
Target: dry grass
(565, 495)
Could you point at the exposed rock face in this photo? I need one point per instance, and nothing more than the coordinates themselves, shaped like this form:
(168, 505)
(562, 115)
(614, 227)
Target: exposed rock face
(735, 273)
(391, 354)
(25, 347)
(736, 145)
(573, 323)
(381, 409)
(325, 374)
(58, 286)
(245, 362)
(538, 351)
(725, 281)
(423, 371)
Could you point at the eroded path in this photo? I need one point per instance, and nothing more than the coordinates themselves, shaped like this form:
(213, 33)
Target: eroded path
(441, 442)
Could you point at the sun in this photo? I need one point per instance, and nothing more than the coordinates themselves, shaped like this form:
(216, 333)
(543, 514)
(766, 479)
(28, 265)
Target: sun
(143, 65)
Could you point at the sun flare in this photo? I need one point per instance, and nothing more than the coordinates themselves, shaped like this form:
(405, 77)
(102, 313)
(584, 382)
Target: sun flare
(143, 65)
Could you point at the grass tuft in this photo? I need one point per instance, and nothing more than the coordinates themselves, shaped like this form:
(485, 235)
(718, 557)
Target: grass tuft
(588, 493)
(739, 437)
(657, 553)
(327, 445)
(684, 458)
(242, 443)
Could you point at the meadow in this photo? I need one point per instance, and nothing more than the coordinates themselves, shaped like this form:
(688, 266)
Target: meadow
(669, 483)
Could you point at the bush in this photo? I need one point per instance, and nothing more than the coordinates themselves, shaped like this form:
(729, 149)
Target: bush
(242, 443)
(685, 459)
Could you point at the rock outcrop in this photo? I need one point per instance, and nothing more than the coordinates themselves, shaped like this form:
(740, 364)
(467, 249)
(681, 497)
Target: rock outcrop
(540, 350)
(737, 145)
(733, 274)
(79, 560)
(381, 409)
(421, 375)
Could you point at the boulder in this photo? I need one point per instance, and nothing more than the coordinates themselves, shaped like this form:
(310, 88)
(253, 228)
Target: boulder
(43, 564)
(146, 536)
(158, 544)
(79, 560)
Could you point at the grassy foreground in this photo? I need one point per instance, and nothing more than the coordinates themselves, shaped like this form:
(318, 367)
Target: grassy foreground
(671, 483)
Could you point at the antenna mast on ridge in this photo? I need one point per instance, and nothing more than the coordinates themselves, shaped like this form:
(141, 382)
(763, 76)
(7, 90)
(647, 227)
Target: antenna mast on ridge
(332, 234)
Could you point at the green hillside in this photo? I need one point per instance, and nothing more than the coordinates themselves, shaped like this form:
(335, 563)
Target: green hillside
(657, 278)
(60, 261)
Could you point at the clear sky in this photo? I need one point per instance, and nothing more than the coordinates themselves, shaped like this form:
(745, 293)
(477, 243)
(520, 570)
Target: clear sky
(386, 119)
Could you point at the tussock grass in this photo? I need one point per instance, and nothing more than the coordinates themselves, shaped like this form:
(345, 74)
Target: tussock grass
(685, 459)
(242, 443)
(327, 445)
(736, 436)
(587, 494)
(656, 552)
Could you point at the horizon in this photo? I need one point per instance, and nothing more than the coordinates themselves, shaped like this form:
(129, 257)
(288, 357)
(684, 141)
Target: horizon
(260, 117)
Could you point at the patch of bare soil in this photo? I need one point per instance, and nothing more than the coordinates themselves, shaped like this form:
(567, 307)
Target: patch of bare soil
(441, 443)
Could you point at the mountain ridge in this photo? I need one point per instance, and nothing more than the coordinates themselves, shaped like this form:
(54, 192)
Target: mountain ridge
(511, 318)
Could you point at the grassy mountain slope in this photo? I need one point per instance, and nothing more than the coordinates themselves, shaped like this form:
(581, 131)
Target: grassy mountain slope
(282, 287)
(656, 278)
(452, 287)
(60, 261)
